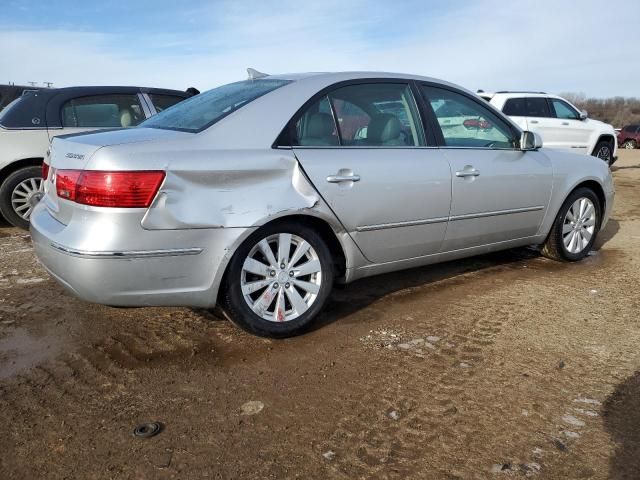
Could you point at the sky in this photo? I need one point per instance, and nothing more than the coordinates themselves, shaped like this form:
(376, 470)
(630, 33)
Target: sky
(580, 46)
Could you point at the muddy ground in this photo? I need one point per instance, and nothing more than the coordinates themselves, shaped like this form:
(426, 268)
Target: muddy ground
(503, 366)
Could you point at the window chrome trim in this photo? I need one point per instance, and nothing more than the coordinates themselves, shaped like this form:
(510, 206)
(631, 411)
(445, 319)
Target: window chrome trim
(127, 254)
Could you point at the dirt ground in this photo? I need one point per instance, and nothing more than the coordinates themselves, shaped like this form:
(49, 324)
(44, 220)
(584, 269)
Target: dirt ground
(501, 366)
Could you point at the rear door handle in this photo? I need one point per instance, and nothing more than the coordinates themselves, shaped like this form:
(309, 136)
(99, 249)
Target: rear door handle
(468, 173)
(565, 123)
(533, 121)
(343, 178)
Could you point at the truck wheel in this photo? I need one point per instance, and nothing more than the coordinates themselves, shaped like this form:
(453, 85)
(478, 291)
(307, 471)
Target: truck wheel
(19, 193)
(604, 152)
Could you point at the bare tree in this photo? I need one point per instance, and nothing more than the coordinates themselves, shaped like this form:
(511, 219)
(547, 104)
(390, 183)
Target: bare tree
(618, 111)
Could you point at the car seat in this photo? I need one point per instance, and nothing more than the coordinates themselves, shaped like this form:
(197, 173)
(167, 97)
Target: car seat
(384, 129)
(319, 131)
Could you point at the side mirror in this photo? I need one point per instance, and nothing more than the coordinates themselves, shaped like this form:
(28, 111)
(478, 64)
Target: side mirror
(530, 141)
(584, 115)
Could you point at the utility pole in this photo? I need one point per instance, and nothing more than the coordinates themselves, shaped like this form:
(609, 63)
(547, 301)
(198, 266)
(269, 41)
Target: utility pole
(33, 84)
(48, 84)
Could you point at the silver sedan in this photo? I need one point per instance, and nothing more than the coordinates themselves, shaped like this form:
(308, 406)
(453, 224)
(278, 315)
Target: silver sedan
(258, 195)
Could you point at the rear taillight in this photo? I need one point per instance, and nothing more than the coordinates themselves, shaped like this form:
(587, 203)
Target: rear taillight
(45, 170)
(109, 189)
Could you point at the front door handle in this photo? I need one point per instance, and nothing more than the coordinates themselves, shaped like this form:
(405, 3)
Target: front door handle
(468, 173)
(565, 123)
(533, 121)
(343, 178)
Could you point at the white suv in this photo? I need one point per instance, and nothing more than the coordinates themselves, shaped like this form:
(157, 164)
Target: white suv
(28, 124)
(559, 123)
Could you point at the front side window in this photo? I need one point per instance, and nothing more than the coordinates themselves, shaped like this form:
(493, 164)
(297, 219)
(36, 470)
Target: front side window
(564, 110)
(467, 123)
(162, 101)
(203, 110)
(103, 111)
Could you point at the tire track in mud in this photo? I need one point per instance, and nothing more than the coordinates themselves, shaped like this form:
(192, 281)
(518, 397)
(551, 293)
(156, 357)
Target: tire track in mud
(392, 432)
(371, 443)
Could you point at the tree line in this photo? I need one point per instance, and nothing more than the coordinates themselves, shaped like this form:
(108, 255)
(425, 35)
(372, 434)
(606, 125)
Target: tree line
(617, 111)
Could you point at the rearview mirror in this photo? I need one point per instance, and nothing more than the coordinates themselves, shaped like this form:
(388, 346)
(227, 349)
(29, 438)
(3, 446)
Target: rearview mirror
(530, 141)
(584, 115)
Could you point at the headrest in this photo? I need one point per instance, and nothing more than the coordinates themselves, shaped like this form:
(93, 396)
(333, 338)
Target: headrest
(383, 127)
(126, 117)
(320, 125)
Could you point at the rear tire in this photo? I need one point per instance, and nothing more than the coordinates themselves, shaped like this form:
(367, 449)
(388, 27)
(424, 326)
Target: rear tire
(575, 228)
(267, 300)
(19, 193)
(629, 144)
(604, 151)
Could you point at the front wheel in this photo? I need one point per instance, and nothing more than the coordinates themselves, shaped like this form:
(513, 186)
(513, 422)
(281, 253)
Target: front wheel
(629, 144)
(278, 280)
(604, 152)
(19, 194)
(575, 227)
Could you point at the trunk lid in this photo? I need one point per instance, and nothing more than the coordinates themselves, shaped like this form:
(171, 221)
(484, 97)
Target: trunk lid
(73, 152)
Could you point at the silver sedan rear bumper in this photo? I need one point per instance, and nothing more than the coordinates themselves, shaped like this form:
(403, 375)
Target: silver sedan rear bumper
(160, 274)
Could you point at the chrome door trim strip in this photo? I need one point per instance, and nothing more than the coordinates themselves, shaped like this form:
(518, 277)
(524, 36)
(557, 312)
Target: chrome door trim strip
(428, 221)
(126, 254)
(495, 213)
(410, 223)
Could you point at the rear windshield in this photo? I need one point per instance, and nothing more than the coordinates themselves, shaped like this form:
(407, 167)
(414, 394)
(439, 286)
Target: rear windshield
(201, 111)
(6, 109)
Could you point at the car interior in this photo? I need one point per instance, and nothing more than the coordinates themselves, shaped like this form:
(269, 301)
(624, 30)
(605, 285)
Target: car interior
(367, 115)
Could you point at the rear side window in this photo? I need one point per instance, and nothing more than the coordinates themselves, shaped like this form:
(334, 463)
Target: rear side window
(515, 107)
(564, 110)
(377, 115)
(467, 123)
(366, 115)
(527, 107)
(162, 102)
(537, 107)
(203, 110)
(316, 126)
(103, 111)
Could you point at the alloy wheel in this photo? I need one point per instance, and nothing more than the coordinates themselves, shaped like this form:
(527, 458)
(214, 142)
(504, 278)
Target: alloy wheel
(26, 195)
(604, 153)
(579, 225)
(629, 145)
(281, 277)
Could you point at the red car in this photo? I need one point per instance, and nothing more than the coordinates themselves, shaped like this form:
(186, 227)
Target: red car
(629, 137)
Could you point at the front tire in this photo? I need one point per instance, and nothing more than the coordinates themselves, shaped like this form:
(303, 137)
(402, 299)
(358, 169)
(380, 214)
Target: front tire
(604, 152)
(19, 194)
(575, 228)
(629, 144)
(278, 280)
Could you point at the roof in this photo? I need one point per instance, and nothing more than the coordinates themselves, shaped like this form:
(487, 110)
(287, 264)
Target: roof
(40, 109)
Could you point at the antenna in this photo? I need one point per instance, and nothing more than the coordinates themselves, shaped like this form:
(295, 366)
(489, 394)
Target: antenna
(255, 74)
